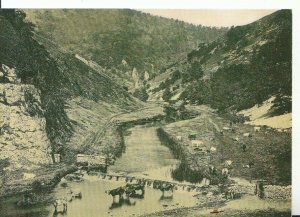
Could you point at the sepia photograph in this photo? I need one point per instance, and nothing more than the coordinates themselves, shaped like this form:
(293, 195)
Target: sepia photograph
(145, 112)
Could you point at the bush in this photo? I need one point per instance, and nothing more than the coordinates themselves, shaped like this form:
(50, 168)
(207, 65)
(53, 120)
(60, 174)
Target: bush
(141, 94)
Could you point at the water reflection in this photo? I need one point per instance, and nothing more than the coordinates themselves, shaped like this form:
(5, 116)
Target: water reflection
(164, 197)
(144, 153)
(144, 156)
(56, 214)
(122, 202)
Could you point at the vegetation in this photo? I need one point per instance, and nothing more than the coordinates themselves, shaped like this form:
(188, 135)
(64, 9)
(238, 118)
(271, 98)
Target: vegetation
(141, 94)
(184, 173)
(111, 36)
(194, 72)
(247, 66)
(58, 74)
(35, 66)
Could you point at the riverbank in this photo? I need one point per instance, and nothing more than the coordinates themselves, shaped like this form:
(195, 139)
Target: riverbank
(209, 141)
(196, 212)
(44, 179)
(246, 206)
(109, 139)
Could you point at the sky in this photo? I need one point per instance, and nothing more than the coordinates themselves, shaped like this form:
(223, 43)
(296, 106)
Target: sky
(211, 17)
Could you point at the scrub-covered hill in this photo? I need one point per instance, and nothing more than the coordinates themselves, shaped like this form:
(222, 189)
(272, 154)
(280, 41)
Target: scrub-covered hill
(75, 98)
(247, 66)
(128, 42)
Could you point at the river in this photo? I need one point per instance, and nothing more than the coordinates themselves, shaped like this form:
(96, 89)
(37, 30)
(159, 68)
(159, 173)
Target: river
(144, 156)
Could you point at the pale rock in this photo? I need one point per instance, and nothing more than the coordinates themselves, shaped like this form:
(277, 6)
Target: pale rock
(10, 147)
(27, 176)
(11, 74)
(23, 139)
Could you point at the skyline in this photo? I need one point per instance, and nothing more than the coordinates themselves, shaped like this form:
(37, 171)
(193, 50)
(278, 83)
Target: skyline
(212, 17)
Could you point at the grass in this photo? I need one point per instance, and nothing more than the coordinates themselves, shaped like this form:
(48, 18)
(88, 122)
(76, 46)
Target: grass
(268, 150)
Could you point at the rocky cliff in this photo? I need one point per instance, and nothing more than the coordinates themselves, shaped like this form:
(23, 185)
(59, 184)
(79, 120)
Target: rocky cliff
(23, 139)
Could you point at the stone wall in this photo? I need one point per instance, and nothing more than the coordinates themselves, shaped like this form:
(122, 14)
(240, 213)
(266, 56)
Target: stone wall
(278, 192)
(270, 191)
(23, 138)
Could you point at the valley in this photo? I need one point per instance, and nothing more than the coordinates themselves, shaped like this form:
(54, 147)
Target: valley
(207, 113)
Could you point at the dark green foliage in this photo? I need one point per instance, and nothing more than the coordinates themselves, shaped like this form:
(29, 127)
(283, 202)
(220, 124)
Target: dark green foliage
(267, 151)
(167, 83)
(37, 186)
(34, 66)
(58, 74)
(141, 94)
(233, 117)
(282, 104)
(194, 72)
(184, 173)
(167, 95)
(113, 35)
(3, 163)
(240, 85)
(33, 106)
(171, 114)
(235, 34)
(198, 92)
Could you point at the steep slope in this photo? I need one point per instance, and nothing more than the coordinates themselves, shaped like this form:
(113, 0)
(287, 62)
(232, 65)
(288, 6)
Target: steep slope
(75, 97)
(247, 66)
(23, 140)
(34, 66)
(122, 39)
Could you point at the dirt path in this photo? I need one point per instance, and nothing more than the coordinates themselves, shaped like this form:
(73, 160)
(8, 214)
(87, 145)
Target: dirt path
(112, 121)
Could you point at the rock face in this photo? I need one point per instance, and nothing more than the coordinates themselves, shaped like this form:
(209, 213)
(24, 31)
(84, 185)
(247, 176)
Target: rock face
(23, 138)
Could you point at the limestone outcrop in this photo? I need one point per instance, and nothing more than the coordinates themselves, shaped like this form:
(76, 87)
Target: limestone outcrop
(23, 139)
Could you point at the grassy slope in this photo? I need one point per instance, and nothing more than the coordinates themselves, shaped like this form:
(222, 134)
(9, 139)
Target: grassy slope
(75, 96)
(248, 65)
(109, 36)
(268, 150)
(91, 98)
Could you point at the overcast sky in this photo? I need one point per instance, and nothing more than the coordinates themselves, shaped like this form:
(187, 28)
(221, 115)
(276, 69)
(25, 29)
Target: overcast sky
(212, 17)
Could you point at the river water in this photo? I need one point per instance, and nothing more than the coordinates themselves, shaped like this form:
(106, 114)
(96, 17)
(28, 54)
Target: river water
(145, 157)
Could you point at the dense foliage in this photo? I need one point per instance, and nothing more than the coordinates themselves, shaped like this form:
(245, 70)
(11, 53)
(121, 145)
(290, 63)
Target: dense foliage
(264, 69)
(58, 74)
(109, 36)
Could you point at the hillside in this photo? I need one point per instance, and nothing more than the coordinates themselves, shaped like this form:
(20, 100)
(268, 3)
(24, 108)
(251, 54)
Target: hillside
(247, 66)
(126, 42)
(75, 97)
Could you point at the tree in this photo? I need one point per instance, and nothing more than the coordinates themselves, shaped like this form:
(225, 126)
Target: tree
(167, 94)
(194, 72)
(141, 94)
